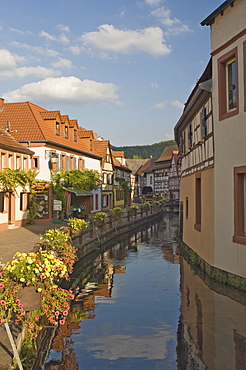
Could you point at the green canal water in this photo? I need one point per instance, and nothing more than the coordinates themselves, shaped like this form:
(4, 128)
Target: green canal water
(140, 306)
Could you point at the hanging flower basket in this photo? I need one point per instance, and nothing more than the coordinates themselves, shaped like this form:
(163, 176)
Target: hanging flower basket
(30, 298)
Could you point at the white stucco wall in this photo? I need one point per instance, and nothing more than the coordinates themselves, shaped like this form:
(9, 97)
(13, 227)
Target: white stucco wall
(230, 147)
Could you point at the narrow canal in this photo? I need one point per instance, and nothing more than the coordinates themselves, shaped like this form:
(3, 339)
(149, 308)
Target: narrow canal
(140, 306)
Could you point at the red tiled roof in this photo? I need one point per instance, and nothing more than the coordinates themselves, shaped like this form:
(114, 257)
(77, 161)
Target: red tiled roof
(167, 153)
(101, 147)
(147, 167)
(28, 123)
(118, 153)
(118, 164)
(7, 142)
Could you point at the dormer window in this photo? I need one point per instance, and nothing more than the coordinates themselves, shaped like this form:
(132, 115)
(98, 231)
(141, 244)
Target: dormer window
(66, 132)
(57, 129)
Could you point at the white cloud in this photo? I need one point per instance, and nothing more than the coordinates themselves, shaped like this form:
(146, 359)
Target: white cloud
(174, 25)
(152, 2)
(60, 38)
(159, 105)
(154, 85)
(149, 40)
(62, 63)
(76, 50)
(37, 49)
(7, 61)
(164, 16)
(63, 28)
(177, 104)
(64, 90)
(28, 71)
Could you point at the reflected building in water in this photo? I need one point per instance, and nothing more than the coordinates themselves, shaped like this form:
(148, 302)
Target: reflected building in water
(212, 326)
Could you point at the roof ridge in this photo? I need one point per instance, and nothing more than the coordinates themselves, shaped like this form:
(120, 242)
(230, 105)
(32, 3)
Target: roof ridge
(35, 118)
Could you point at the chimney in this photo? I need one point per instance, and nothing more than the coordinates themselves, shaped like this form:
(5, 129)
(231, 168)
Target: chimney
(1, 104)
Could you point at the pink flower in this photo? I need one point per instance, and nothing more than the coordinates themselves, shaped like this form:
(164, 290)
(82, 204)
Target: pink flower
(31, 326)
(1, 285)
(62, 322)
(72, 296)
(17, 301)
(35, 335)
(65, 313)
(23, 312)
(2, 302)
(36, 318)
(57, 313)
(2, 320)
(42, 276)
(20, 305)
(56, 268)
(28, 283)
(54, 322)
(38, 261)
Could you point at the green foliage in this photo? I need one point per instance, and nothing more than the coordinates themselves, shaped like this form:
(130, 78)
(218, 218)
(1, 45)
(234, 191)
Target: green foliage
(82, 180)
(144, 151)
(117, 213)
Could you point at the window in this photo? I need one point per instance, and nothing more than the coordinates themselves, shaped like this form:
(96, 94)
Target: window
(2, 202)
(240, 205)
(231, 85)
(228, 84)
(23, 201)
(35, 162)
(25, 163)
(11, 161)
(66, 132)
(186, 208)
(57, 129)
(198, 202)
(96, 201)
(190, 135)
(204, 125)
(69, 163)
(18, 162)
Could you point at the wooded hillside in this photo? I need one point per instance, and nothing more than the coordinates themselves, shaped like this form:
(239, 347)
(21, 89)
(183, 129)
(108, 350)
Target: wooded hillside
(144, 151)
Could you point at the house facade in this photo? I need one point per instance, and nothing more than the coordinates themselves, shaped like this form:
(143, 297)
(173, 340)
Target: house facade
(107, 166)
(122, 180)
(194, 134)
(57, 146)
(13, 202)
(162, 170)
(211, 136)
(228, 44)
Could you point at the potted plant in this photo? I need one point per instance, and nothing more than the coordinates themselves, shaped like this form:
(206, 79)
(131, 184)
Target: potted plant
(134, 209)
(117, 214)
(99, 218)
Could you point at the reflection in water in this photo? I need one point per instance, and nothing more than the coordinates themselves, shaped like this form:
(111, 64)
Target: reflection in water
(212, 326)
(133, 310)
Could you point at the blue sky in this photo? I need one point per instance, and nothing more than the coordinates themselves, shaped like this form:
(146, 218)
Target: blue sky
(123, 68)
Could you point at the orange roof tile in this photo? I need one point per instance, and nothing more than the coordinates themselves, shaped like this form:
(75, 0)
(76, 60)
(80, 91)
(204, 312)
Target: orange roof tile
(167, 153)
(7, 142)
(27, 123)
(118, 153)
